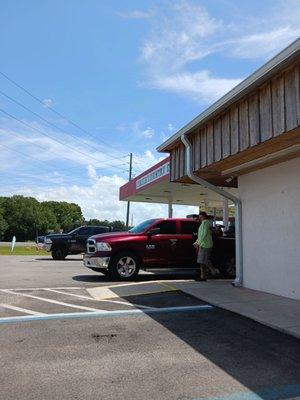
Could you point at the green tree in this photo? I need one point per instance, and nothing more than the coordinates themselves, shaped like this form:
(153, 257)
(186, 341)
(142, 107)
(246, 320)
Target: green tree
(97, 222)
(68, 215)
(118, 226)
(3, 223)
(25, 218)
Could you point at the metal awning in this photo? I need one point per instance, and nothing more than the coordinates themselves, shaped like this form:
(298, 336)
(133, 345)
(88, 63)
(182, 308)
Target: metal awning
(154, 186)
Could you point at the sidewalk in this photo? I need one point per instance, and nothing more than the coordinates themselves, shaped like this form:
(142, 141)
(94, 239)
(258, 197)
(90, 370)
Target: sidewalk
(277, 312)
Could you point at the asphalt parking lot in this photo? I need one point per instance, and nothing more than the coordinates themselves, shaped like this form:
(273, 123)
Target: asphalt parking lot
(68, 333)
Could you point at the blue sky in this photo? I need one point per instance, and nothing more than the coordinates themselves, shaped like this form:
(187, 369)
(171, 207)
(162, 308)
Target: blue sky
(129, 74)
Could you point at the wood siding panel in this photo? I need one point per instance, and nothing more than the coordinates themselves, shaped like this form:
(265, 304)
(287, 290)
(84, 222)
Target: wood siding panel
(234, 131)
(298, 93)
(278, 105)
(172, 165)
(265, 111)
(193, 148)
(197, 163)
(182, 160)
(203, 144)
(244, 125)
(254, 131)
(210, 143)
(177, 155)
(292, 98)
(217, 139)
(226, 135)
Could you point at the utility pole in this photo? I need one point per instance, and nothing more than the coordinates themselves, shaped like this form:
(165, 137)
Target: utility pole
(128, 202)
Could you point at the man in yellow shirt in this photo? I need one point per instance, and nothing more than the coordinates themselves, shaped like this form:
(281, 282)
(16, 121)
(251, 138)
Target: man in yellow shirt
(204, 244)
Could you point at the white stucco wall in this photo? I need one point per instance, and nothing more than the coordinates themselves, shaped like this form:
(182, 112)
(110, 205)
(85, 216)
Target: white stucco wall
(271, 228)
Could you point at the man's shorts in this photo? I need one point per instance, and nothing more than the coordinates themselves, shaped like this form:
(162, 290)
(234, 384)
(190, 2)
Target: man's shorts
(203, 256)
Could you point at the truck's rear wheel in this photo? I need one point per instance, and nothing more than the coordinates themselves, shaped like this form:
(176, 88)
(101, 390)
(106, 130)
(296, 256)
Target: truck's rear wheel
(125, 266)
(230, 268)
(59, 253)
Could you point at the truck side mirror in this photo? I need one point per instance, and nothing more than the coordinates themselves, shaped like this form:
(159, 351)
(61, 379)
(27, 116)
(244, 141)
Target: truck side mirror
(154, 231)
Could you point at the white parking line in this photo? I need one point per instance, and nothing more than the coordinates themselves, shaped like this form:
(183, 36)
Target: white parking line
(23, 310)
(69, 294)
(118, 313)
(92, 299)
(37, 288)
(51, 301)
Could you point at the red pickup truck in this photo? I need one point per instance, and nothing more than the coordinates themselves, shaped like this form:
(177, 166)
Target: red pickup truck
(155, 243)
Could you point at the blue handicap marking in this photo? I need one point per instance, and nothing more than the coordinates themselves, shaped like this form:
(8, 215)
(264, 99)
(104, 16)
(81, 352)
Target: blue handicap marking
(275, 393)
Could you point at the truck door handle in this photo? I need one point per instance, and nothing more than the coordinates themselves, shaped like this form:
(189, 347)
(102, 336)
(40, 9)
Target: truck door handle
(173, 241)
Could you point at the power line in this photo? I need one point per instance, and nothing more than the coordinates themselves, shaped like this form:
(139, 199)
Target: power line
(51, 124)
(56, 140)
(56, 112)
(65, 158)
(29, 156)
(25, 155)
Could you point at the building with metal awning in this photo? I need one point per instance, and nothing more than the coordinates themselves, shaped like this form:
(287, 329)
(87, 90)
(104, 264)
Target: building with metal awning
(154, 186)
(245, 148)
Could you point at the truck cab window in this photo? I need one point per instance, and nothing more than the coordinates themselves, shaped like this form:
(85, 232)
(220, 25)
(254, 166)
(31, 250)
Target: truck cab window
(100, 229)
(167, 227)
(189, 227)
(85, 231)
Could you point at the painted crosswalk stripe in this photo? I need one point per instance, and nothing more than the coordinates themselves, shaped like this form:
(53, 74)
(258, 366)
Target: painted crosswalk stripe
(92, 299)
(23, 310)
(61, 303)
(105, 314)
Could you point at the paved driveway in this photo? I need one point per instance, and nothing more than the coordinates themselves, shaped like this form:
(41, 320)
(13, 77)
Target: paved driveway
(160, 345)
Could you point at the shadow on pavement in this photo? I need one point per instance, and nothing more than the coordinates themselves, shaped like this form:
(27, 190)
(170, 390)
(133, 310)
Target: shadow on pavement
(263, 360)
(140, 278)
(91, 278)
(51, 259)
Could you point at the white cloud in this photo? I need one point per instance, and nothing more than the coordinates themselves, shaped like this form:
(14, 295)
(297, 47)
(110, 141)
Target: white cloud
(143, 161)
(265, 44)
(136, 14)
(91, 171)
(175, 51)
(148, 133)
(163, 136)
(179, 37)
(69, 176)
(38, 149)
(200, 86)
(139, 129)
(100, 199)
(47, 103)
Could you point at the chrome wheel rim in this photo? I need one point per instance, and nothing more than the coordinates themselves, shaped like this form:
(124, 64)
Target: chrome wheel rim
(126, 267)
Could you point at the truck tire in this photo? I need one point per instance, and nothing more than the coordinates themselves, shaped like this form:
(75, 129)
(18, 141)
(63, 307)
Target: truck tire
(230, 268)
(124, 266)
(59, 253)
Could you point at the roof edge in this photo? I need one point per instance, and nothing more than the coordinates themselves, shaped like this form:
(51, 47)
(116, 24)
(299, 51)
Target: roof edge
(237, 92)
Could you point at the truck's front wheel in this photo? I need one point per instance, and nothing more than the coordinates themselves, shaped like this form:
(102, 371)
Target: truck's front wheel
(59, 253)
(125, 266)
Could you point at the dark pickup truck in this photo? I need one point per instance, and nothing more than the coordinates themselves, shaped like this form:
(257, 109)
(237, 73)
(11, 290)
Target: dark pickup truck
(74, 242)
(155, 243)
